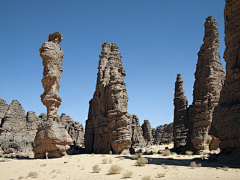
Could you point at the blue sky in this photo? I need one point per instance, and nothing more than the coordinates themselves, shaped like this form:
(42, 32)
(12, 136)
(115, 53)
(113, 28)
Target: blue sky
(156, 38)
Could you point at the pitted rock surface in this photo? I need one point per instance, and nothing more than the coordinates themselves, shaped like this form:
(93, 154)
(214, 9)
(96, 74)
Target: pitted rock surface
(108, 127)
(209, 78)
(51, 136)
(163, 134)
(147, 132)
(226, 120)
(180, 114)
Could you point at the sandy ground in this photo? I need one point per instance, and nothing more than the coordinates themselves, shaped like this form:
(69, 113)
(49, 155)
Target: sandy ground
(79, 167)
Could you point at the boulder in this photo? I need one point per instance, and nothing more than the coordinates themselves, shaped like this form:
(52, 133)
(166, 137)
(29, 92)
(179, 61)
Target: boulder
(147, 132)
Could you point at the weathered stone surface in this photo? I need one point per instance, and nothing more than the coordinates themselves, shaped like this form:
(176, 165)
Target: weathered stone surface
(136, 132)
(15, 132)
(209, 78)
(163, 134)
(51, 136)
(3, 109)
(226, 121)
(107, 126)
(147, 132)
(180, 114)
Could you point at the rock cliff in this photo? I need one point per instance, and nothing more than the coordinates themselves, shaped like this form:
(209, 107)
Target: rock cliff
(180, 114)
(108, 127)
(51, 138)
(226, 119)
(209, 78)
(147, 132)
(163, 134)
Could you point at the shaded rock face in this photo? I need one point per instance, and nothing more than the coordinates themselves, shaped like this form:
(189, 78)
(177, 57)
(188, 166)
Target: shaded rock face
(147, 132)
(226, 118)
(18, 131)
(209, 78)
(107, 126)
(3, 109)
(180, 114)
(136, 132)
(163, 134)
(51, 136)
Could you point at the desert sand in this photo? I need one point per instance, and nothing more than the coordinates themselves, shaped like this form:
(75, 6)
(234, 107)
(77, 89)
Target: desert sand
(79, 167)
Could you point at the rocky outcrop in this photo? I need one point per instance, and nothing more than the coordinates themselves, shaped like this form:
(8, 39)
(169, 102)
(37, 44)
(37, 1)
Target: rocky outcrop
(226, 119)
(136, 132)
(108, 127)
(147, 132)
(163, 134)
(16, 133)
(209, 78)
(180, 114)
(3, 109)
(51, 138)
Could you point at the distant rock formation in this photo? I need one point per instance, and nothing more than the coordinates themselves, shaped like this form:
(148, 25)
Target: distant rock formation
(136, 132)
(163, 134)
(51, 138)
(180, 114)
(108, 127)
(226, 118)
(209, 78)
(3, 109)
(17, 132)
(147, 132)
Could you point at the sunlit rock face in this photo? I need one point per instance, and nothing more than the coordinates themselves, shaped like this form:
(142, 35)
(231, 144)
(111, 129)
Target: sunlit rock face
(108, 126)
(209, 79)
(51, 138)
(226, 118)
(180, 113)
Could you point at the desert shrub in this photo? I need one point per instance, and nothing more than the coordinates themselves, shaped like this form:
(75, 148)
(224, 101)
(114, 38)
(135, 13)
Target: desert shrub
(225, 168)
(33, 174)
(115, 169)
(21, 177)
(193, 164)
(136, 156)
(159, 175)
(199, 165)
(166, 152)
(96, 168)
(110, 152)
(105, 160)
(103, 155)
(141, 161)
(147, 178)
(189, 153)
(127, 174)
(122, 158)
(164, 166)
(125, 152)
(110, 160)
(174, 154)
(219, 168)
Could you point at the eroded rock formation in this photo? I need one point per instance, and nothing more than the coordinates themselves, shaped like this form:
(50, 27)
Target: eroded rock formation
(209, 78)
(108, 127)
(180, 114)
(163, 134)
(147, 132)
(51, 138)
(226, 121)
(3, 109)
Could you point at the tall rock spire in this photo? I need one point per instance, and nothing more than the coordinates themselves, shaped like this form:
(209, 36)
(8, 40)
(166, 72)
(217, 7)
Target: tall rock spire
(51, 136)
(180, 113)
(226, 120)
(107, 126)
(209, 78)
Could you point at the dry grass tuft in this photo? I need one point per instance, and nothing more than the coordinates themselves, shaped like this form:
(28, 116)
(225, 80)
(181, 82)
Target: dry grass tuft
(103, 155)
(166, 152)
(159, 175)
(136, 156)
(164, 166)
(225, 168)
(122, 158)
(141, 161)
(115, 169)
(33, 174)
(125, 152)
(147, 178)
(127, 174)
(96, 168)
(193, 164)
(110, 152)
(174, 154)
(189, 153)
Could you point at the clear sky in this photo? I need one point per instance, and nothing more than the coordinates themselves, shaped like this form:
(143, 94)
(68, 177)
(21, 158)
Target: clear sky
(157, 39)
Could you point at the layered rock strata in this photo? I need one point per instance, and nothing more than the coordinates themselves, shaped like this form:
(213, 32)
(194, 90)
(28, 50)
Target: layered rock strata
(226, 119)
(108, 127)
(163, 134)
(180, 114)
(209, 78)
(147, 132)
(51, 138)
(136, 133)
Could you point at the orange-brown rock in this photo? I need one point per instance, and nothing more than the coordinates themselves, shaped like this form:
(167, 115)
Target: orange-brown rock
(108, 127)
(209, 78)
